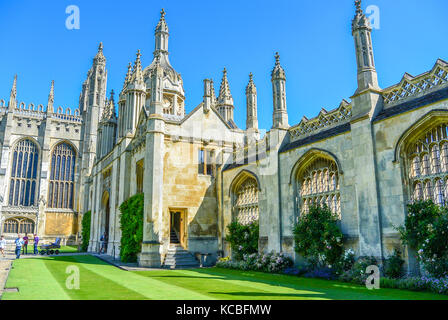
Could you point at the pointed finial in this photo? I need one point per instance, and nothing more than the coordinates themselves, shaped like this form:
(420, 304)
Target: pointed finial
(100, 47)
(112, 94)
(51, 98)
(251, 76)
(358, 6)
(224, 71)
(162, 14)
(277, 59)
(14, 86)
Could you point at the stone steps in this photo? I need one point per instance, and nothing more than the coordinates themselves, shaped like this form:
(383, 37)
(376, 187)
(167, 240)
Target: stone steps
(179, 258)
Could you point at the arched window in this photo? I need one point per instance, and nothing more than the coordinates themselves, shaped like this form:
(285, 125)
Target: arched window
(62, 177)
(245, 206)
(18, 225)
(23, 187)
(325, 189)
(427, 165)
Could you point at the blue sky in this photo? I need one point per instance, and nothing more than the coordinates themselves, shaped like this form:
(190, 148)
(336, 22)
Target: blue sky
(313, 38)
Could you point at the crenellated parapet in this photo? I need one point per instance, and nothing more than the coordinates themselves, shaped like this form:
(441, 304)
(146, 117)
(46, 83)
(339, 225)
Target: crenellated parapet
(411, 87)
(325, 120)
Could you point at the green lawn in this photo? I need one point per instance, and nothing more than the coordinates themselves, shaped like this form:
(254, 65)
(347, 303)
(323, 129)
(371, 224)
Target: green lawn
(45, 278)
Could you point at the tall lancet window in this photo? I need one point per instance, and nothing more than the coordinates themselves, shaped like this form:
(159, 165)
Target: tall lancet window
(319, 185)
(23, 187)
(62, 177)
(245, 204)
(427, 165)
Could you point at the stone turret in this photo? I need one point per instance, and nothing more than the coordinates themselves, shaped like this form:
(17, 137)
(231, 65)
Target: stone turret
(278, 79)
(361, 31)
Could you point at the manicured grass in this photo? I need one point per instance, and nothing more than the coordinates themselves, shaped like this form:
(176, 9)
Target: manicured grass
(45, 278)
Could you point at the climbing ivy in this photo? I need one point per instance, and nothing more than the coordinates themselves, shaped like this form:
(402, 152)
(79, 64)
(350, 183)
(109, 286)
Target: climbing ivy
(131, 221)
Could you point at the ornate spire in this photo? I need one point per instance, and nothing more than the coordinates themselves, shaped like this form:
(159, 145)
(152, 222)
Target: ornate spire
(99, 58)
(251, 88)
(278, 72)
(51, 98)
(109, 109)
(127, 79)
(251, 105)
(225, 98)
(162, 26)
(137, 73)
(13, 95)
(361, 31)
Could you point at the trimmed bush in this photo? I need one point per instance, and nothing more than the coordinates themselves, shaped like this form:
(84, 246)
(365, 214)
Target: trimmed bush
(393, 266)
(243, 239)
(318, 237)
(131, 223)
(85, 232)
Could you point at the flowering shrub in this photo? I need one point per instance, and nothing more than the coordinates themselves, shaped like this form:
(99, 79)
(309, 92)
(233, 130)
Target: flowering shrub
(435, 285)
(393, 266)
(346, 261)
(318, 237)
(243, 238)
(426, 230)
(269, 262)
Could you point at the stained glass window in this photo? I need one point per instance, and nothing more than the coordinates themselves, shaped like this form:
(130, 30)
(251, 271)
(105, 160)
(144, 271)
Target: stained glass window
(22, 186)
(62, 177)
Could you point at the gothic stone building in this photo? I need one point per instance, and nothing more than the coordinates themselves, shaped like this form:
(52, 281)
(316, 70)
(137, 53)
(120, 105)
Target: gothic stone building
(365, 159)
(46, 156)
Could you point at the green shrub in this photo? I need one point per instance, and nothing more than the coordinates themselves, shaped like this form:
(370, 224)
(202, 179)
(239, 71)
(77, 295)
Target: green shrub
(269, 262)
(85, 232)
(393, 266)
(318, 237)
(425, 230)
(131, 220)
(357, 274)
(243, 239)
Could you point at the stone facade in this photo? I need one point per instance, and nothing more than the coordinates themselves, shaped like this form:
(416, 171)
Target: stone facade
(365, 159)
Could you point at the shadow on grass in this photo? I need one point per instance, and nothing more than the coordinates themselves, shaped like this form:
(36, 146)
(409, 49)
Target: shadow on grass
(317, 295)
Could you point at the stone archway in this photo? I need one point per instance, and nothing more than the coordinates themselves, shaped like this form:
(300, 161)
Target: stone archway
(105, 217)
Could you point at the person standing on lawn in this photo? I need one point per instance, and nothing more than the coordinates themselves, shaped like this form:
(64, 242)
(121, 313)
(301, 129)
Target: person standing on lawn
(25, 244)
(2, 245)
(19, 244)
(36, 242)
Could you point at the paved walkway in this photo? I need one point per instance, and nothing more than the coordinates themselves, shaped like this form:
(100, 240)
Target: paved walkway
(5, 266)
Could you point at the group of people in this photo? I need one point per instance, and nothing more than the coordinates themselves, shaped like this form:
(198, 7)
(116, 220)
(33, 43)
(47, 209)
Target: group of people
(21, 244)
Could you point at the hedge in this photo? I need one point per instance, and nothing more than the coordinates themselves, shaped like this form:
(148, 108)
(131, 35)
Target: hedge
(131, 221)
(85, 232)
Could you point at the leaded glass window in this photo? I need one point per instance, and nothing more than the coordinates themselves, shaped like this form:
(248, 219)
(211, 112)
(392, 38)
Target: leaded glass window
(427, 160)
(23, 184)
(319, 185)
(62, 177)
(246, 201)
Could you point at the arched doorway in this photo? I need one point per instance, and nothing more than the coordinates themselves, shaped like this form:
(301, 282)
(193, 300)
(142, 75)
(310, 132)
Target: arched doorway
(105, 219)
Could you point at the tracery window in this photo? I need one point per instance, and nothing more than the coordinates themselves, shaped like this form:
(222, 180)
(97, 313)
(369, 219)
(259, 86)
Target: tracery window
(319, 185)
(23, 184)
(246, 201)
(62, 177)
(139, 172)
(427, 160)
(18, 225)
